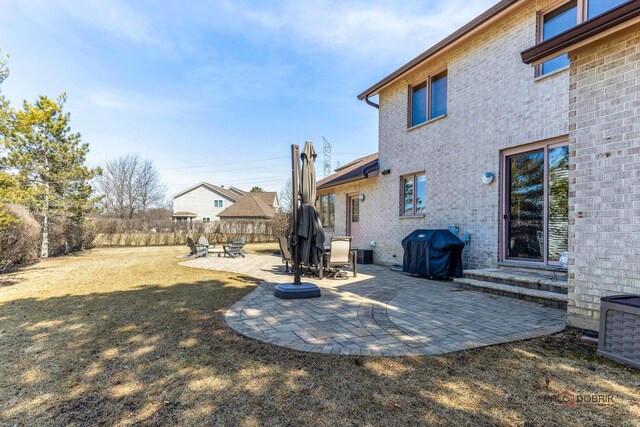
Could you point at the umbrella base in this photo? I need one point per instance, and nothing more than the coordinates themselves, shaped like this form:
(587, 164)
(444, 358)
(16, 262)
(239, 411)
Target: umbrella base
(300, 291)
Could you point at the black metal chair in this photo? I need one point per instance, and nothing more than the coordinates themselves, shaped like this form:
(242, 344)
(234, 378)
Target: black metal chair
(287, 258)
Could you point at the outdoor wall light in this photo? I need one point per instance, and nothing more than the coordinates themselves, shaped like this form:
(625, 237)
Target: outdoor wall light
(372, 243)
(386, 172)
(488, 178)
(362, 197)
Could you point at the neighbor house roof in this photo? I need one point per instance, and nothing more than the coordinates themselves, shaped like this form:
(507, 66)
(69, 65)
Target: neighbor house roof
(237, 190)
(250, 206)
(617, 18)
(458, 35)
(352, 171)
(220, 190)
(269, 197)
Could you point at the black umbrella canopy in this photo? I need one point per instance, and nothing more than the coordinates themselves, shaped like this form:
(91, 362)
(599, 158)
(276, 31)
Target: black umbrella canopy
(309, 228)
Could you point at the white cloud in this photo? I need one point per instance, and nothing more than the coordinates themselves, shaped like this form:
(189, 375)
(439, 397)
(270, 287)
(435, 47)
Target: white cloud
(110, 17)
(376, 30)
(134, 103)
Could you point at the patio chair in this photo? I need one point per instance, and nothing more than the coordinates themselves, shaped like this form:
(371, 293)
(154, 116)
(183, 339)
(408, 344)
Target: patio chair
(234, 249)
(196, 252)
(339, 256)
(287, 258)
(203, 243)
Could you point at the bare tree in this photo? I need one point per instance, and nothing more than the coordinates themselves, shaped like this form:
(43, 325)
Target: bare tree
(150, 189)
(286, 196)
(130, 186)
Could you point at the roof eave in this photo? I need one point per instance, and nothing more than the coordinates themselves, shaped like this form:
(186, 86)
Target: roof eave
(346, 181)
(209, 186)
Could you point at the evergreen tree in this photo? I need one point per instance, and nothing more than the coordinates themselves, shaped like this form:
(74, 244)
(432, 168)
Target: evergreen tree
(8, 185)
(49, 160)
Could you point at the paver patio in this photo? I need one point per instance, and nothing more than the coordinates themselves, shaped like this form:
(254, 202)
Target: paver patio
(381, 312)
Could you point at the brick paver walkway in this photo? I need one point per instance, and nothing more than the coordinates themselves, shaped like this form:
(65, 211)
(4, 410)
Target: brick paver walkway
(381, 312)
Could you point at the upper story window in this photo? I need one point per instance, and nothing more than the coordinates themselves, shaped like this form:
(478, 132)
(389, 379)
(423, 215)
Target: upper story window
(418, 104)
(564, 18)
(428, 100)
(438, 103)
(413, 191)
(598, 7)
(218, 203)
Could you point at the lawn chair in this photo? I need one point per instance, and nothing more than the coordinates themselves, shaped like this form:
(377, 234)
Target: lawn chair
(234, 249)
(285, 253)
(196, 252)
(203, 243)
(339, 256)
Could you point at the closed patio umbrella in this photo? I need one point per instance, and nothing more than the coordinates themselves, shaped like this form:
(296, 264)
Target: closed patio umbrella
(309, 228)
(307, 241)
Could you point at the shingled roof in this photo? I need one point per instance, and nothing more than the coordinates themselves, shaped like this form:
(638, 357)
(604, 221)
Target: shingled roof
(250, 206)
(352, 171)
(268, 197)
(216, 188)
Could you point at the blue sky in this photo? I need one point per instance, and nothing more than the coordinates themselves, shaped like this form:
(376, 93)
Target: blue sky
(198, 86)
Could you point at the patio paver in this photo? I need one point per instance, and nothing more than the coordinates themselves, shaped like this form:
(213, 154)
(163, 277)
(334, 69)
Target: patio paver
(381, 312)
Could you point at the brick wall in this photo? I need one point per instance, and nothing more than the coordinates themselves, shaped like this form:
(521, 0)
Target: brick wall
(494, 102)
(604, 207)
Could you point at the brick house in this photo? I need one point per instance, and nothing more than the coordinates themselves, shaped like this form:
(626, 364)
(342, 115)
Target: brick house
(542, 95)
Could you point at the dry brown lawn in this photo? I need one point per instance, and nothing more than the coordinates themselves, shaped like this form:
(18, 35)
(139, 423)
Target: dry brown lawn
(126, 336)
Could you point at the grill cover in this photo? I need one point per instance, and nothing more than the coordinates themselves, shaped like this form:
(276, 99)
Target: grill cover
(433, 253)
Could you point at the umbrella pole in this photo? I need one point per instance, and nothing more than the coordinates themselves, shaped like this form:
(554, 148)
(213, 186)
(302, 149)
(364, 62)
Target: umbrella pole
(295, 176)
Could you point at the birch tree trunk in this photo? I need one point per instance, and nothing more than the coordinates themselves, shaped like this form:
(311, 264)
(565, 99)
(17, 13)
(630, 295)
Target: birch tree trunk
(44, 250)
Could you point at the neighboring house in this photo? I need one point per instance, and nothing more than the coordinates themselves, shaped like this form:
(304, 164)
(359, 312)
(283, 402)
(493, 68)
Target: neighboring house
(545, 96)
(205, 202)
(251, 207)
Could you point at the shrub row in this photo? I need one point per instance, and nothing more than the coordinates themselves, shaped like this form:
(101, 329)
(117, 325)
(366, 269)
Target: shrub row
(21, 238)
(172, 239)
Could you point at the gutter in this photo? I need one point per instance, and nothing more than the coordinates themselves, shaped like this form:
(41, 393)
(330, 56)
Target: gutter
(373, 104)
(371, 168)
(368, 170)
(582, 32)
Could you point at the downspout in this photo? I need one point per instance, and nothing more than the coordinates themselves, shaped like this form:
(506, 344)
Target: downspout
(371, 168)
(373, 104)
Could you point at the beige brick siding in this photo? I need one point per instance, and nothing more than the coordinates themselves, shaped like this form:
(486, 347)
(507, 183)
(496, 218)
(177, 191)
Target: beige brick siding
(604, 207)
(369, 212)
(494, 102)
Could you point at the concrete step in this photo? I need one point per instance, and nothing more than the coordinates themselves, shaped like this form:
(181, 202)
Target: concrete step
(549, 299)
(538, 280)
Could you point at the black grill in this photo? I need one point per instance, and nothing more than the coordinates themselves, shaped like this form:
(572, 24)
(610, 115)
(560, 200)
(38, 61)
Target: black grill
(433, 253)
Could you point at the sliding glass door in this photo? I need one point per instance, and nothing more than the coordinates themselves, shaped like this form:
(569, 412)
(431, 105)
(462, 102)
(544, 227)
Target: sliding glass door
(536, 206)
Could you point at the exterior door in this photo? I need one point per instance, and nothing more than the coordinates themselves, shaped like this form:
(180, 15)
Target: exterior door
(536, 204)
(353, 218)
